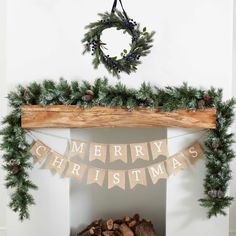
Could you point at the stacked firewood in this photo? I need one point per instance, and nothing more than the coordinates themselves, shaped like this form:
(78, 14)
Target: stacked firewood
(126, 226)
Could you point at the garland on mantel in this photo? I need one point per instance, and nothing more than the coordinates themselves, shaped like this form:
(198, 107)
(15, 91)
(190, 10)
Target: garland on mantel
(17, 159)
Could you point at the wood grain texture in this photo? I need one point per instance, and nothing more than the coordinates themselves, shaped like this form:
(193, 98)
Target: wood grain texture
(106, 117)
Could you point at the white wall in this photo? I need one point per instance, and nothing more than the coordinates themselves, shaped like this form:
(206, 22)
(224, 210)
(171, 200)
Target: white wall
(233, 184)
(184, 190)
(193, 43)
(51, 215)
(3, 109)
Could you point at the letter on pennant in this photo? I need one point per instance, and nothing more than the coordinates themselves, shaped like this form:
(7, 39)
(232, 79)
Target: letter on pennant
(176, 163)
(57, 162)
(96, 176)
(116, 178)
(139, 151)
(159, 148)
(137, 176)
(40, 151)
(157, 171)
(77, 148)
(194, 152)
(98, 152)
(76, 170)
(118, 152)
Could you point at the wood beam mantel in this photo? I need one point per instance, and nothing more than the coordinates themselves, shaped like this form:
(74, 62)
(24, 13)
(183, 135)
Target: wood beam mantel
(106, 117)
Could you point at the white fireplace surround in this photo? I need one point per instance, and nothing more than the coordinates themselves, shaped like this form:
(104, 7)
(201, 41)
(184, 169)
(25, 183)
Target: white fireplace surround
(91, 202)
(193, 43)
(55, 213)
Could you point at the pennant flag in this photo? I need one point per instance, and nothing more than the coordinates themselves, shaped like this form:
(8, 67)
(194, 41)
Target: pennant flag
(118, 152)
(157, 171)
(176, 163)
(40, 151)
(194, 152)
(137, 176)
(116, 178)
(57, 162)
(96, 176)
(76, 170)
(98, 152)
(139, 151)
(159, 148)
(77, 148)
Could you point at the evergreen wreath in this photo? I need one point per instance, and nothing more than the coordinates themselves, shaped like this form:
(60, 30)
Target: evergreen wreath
(129, 60)
(219, 153)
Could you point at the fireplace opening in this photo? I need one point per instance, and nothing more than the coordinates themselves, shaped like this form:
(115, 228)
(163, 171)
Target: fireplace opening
(92, 202)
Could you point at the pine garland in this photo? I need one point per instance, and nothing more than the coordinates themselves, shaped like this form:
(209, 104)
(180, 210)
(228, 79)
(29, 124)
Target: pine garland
(18, 161)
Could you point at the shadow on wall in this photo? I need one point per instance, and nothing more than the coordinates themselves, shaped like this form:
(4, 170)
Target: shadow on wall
(88, 203)
(184, 190)
(190, 184)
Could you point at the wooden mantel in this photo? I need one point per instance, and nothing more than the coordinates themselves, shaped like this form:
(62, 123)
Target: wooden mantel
(105, 117)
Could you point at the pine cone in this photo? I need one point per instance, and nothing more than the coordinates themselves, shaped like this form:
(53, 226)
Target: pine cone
(87, 98)
(213, 193)
(149, 101)
(12, 162)
(221, 194)
(215, 146)
(207, 99)
(26, 93)
(16, 169)
(201, 103)
(90, 92)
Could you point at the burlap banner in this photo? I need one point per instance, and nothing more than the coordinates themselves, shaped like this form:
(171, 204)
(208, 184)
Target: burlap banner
(65, 167)
(193, 153)
(176, 163)
(98, 152)
(157, 172)
(116, 178)
(56, 162)
(40, 151)
(76, 170)
(77, 148)
(137, 176)
(118, 152)
(159, 148)
(96, 176)
(139, 151)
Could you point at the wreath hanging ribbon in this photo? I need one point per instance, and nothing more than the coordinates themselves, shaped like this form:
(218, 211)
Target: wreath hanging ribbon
(140, 45)
(121, 4)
